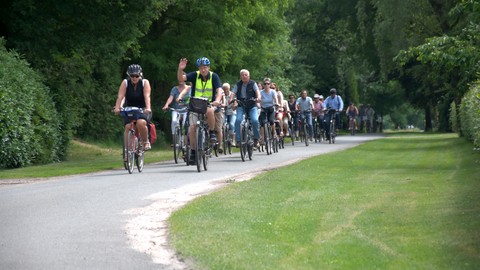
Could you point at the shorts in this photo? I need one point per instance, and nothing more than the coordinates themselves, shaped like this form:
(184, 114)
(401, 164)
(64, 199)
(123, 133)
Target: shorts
(145, 116)
(219, 120)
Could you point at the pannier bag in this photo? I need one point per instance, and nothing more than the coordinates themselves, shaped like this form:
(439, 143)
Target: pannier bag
(152, 133)
(198, 105)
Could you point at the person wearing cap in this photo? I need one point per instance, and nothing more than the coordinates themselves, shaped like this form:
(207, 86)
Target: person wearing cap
(318, 111)
(204, 83)
(335, 102)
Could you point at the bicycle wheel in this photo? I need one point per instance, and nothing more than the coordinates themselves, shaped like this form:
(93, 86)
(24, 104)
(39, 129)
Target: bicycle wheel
(275, 144)
(250, 144)
(206, 149)
(243, 142)
(225, 139)
(139, 155)
(305, 134)
(266, 139)
(177, 145)
(131, 142)
(124, 154)
(198, 148)
(332, 128)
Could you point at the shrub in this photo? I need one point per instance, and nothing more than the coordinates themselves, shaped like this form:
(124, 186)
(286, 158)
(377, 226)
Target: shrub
(30, 128)
(470, 114)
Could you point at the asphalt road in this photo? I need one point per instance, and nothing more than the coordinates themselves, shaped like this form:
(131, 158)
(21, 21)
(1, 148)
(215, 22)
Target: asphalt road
(79, 222)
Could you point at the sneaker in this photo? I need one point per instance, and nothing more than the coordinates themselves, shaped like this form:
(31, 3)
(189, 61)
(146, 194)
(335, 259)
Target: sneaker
(220, 150)
(147, 146)
(255, 143)
(213, 137)
(193, 160)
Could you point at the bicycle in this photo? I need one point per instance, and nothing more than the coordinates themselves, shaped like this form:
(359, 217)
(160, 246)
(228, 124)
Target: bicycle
(333, 132)
(246, 130)
(267, 134)
(319, 131)
(279, 142)
(133, 152)
(303, 127)
(227, 141)
(352, 123)
(203, 147)
(291, 128)
(178, 136)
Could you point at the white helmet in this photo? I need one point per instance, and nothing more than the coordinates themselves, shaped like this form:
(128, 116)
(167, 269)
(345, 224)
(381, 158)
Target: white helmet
(316, 96)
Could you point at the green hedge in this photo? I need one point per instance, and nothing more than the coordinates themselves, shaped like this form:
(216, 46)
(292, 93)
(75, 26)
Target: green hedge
(470, 114)
(29, 128)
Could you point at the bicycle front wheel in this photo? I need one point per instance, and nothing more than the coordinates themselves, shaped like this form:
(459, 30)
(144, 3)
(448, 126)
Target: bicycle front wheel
(305, 134)
(131, 144)
(139, 155)
(177, 143)
(243, 142)
(206, 149)
(199, 148)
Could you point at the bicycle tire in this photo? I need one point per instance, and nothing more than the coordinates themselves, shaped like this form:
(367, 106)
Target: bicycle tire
(177, 148)
(130, 151)
(139, 156)
(330, 135)
(243, 142)
(225, 139)
(198, 148)
(206, 148)
(124, 154)
(305, 134)
(266, 139)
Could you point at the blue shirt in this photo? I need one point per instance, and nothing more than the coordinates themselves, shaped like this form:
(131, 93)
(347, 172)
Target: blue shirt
(175, 93)
(333, 103)
(304, 104)
(267, 98)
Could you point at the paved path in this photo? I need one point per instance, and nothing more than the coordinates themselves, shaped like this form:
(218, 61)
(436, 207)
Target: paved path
(91, 221)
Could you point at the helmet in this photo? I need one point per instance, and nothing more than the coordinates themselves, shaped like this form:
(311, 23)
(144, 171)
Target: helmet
(321, 97)
(333, 91)
(203, 61)
(316, 96)
(134, 69)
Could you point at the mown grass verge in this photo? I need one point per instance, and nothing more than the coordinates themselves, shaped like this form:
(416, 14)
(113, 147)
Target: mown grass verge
(86, 158)
(403, 202)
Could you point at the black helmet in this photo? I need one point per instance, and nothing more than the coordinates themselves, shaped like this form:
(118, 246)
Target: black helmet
(333, 91)
(134, 69)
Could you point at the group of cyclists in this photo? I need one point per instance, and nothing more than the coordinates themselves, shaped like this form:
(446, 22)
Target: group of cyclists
(224, 103)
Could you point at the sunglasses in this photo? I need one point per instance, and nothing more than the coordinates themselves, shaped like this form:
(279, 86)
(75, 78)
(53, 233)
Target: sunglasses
(134, 76)
(266, 83)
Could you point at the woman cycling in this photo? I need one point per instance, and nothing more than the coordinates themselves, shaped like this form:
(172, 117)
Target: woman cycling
(135, 92)
(268, 101)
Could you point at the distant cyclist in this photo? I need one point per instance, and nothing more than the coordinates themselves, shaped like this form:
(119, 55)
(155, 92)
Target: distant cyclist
(352, 113)
(335, 102)
(305, 105)
(204, 83)
(135, 92)
(180, 106)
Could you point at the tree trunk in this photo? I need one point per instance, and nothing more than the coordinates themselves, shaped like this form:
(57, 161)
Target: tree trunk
(428, 118)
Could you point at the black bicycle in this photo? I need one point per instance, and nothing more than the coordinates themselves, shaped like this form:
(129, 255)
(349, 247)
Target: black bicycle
(333, 131)
(179, 135)
(303, 127)
(318, 128)
(267, 133)
(246, 130)
(203, 147)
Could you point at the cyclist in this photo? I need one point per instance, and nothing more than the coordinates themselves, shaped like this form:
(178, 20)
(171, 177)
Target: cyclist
(230, 111)
(369, 112)
(204, 83)
(352, 112)
(181, 106)
(135, 92)
(247, 89)
(219, 118)
(268, 100)
(305, 105)
(334, 101)
(280, 114)
(318, 111)
(292, 105)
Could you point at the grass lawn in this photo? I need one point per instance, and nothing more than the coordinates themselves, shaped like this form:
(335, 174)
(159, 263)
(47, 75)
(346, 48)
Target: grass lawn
(86, 158)
(403, 202)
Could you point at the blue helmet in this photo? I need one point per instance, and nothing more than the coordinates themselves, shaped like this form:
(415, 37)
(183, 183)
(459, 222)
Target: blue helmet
(203, 61)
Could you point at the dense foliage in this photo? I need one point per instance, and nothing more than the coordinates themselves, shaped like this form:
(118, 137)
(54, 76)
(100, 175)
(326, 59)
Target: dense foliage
(469, 114)
(28, 119)
(405, 58)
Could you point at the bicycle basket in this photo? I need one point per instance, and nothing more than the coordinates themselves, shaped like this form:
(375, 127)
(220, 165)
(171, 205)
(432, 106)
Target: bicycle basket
(131, 113)
(198, 105)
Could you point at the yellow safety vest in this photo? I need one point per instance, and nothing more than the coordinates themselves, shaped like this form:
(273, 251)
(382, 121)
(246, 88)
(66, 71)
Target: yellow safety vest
(202, 88)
